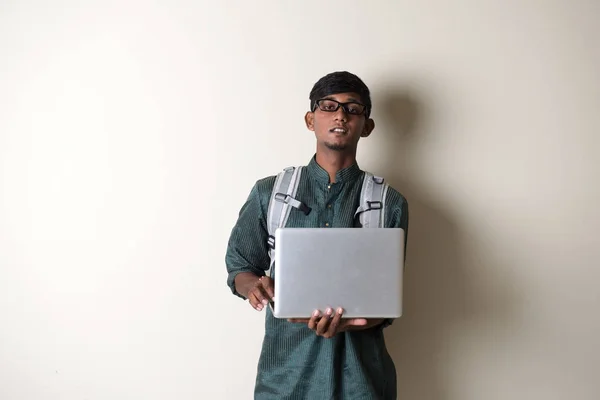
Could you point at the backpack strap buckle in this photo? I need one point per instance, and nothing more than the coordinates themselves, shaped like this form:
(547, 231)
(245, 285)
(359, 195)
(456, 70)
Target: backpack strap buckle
(374, 205)
(287, 199)
(271, 242)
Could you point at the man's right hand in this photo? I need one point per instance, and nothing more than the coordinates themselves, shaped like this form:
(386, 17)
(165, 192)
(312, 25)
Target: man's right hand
(262, 293)
(258, 290)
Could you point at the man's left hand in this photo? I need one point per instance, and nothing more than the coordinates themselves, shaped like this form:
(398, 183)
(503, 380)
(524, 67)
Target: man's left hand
(329, 324)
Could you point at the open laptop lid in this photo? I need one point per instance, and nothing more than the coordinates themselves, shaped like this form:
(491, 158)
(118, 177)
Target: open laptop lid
(357, 269)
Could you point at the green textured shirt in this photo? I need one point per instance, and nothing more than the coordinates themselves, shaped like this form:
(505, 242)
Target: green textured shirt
(295, 363)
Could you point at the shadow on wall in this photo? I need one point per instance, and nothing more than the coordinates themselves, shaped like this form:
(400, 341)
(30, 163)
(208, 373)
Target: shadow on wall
(448, 304)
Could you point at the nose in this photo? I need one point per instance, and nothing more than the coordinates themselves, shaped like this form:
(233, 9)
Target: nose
(340, 114)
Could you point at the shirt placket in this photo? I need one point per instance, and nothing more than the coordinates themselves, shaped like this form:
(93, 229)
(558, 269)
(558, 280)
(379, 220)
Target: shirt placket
(331, 194)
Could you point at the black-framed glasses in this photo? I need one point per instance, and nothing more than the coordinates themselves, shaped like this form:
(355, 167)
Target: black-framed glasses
(329, 105)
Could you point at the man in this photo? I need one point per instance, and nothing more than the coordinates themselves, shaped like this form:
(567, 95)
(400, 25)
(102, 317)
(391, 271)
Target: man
(324, 357)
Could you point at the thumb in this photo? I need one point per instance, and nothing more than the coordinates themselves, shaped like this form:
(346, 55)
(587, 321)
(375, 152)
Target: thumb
(356, 322)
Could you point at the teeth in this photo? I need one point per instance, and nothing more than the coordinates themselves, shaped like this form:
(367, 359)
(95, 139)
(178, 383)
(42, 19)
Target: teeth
(339, 130)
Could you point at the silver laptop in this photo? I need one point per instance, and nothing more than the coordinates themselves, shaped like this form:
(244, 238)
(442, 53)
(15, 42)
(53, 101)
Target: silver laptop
(358, 269)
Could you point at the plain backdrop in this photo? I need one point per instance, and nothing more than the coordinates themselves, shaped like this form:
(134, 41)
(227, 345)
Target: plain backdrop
(131, 133)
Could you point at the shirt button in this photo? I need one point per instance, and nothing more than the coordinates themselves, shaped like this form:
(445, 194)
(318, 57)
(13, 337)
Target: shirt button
(328, 186)
(326, 223)
(329, 206)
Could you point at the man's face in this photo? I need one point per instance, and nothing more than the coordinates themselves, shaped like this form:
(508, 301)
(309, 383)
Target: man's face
(340, 129)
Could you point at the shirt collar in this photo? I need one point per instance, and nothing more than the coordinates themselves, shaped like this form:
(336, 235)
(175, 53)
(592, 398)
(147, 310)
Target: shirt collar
(348, 174)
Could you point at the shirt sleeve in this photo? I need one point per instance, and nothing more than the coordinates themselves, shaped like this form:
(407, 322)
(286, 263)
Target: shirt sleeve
(247, 248)
(397, 213)
(397, 217)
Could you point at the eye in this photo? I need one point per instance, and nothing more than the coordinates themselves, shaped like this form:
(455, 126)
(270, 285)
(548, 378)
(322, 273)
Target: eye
(328, 105)
(354, 108)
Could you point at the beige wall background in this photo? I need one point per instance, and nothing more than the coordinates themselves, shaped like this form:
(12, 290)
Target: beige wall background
(131, 133)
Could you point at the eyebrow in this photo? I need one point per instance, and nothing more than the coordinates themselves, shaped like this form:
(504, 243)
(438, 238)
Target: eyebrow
(350, 99)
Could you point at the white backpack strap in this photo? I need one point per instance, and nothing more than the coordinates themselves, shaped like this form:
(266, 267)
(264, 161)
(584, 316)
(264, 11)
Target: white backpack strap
(371, 211)
(282, 197)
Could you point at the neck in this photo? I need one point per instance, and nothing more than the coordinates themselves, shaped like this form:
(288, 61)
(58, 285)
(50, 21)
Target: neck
(334, 161)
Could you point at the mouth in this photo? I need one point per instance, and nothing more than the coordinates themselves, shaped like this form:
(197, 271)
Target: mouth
(339, 129)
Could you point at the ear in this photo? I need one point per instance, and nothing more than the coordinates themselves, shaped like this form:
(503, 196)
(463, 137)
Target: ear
(309, 119)
(368, 128)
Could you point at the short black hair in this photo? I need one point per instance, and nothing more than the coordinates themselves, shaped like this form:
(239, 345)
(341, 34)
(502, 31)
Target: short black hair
(340, 82)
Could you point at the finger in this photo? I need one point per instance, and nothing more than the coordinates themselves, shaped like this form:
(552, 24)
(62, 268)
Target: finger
(356, 322)
(314, 320)
(299, 320)
(335, 323)
(265, 286)
(323, 324)
(269, 286)
(254, 302)
(260, 295)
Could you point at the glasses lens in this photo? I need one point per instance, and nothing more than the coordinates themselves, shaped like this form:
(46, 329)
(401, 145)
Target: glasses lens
(355, 108)
(332, 105)
(328, 105)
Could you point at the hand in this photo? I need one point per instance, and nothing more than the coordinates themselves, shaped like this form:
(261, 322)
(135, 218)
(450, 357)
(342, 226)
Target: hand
(261, 293)
(328, 325)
